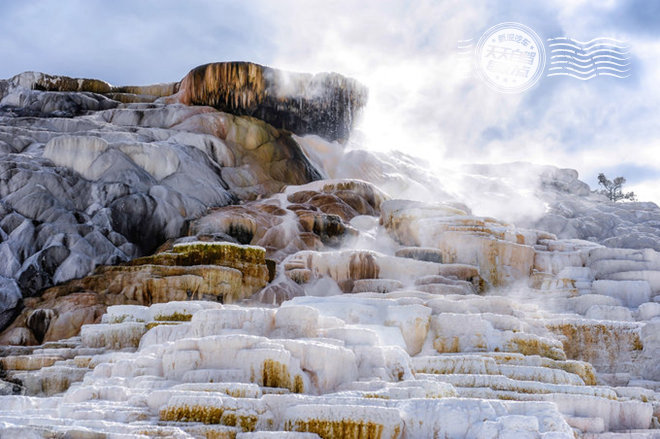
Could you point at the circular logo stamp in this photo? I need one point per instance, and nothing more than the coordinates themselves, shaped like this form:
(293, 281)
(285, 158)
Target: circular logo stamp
(510, 57)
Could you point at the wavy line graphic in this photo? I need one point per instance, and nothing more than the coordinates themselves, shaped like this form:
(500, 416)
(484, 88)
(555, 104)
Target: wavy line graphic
(602, 41)
(464, 53)
(598, 52)
(579, 63)
(566, 64)
(616, 76)
(585, 78)
(593, 70)
(581, 78)
(557, 59)
(613, 63)
(590, 54)
(586, 60)
(613, 57)
(587, 75)
(588, 48)
(589, 58)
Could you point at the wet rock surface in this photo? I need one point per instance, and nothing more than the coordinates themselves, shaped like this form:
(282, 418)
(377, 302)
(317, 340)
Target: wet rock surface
(314, 216)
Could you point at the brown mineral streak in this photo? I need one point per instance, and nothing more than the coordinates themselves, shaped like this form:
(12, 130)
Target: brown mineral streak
(216, 271)
(323, 104)
(345, 428)
(232, 85)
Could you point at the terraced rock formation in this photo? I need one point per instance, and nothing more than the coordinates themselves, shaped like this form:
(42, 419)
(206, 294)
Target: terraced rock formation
(87, 180)
(176, 262)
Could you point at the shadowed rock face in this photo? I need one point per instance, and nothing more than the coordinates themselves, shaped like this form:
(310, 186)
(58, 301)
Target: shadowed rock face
(323, 104)
(4, 86)
(57, 83)
(87, 180)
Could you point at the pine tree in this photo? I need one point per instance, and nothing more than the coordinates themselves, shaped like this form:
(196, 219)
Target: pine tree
(612, 189)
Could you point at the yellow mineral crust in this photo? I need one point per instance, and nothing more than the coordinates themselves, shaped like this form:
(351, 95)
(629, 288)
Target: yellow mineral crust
(192, 413)
(345, 428)
(345, 421)
(276, 374)
(27, 362)
(209, 415)
(528, 344)
(232, 85)
(580, 368)
(151, 325)
(249, 260)
(600, 343)
(221, 272)
(174, 317)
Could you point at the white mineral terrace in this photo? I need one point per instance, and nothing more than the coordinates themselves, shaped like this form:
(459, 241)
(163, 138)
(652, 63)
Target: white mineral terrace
(404, 363)
(471, 348)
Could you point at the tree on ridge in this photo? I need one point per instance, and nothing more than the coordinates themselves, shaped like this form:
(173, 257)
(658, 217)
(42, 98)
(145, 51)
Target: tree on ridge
(612, 189)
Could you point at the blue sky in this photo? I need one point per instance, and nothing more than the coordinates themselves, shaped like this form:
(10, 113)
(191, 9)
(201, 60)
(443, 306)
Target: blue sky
(404, 51)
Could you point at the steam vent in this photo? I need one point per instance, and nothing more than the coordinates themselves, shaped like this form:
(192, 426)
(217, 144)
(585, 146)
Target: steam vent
(206, 259)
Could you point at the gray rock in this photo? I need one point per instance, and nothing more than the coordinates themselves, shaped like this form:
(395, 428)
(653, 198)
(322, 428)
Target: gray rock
(101, 250)
(572, 211)
(10, 301)
(75, 266)
(38, 322)
(87, 181)
(10, 221)
(9, 265)
(4, 88)
(7, 388)
(133, 216)
(57, 104)
(37, 271)
(22, 239)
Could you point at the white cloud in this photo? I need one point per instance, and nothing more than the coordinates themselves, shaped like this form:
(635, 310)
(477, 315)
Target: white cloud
(403, 51)
(647, 190)
(419, 105)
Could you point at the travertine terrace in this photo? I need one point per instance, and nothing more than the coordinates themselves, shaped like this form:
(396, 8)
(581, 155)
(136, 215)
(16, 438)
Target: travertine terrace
(206, 259)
